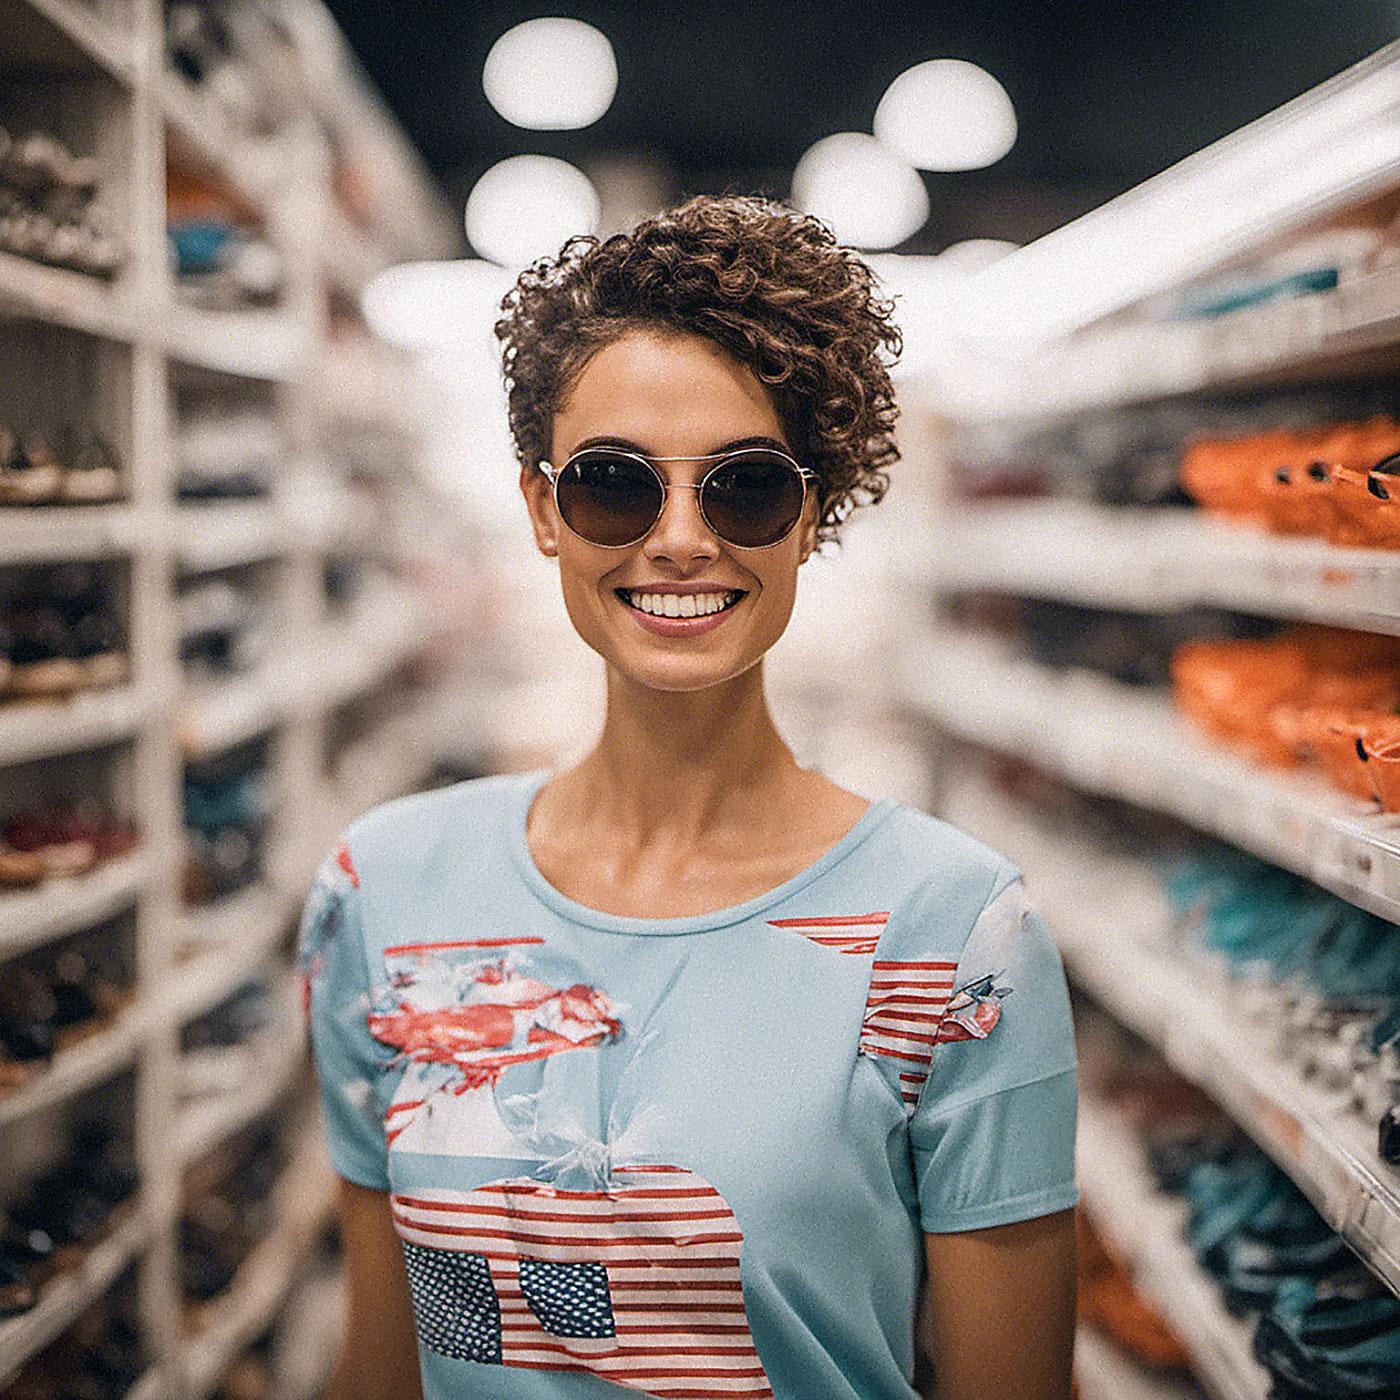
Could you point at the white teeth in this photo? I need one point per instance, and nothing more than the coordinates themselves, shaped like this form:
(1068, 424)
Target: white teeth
(680, 604)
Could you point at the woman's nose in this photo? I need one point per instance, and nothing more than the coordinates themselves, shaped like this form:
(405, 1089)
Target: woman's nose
(681, 531)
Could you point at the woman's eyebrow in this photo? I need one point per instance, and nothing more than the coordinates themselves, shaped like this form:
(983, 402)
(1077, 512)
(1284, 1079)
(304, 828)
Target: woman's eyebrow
(612, 440)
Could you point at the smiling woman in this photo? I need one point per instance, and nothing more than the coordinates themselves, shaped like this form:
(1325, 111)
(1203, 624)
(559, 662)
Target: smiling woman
(709, 1066)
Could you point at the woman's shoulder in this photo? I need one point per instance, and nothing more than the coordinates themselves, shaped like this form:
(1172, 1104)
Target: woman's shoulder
(472, 810)
(939, 860)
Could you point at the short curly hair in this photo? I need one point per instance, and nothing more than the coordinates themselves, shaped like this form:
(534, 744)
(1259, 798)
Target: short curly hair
(770, 285)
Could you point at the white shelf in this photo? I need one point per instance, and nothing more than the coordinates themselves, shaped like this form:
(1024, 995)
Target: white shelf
(1105, 1372)
(216, 715)
(255, 925)
(99, 1056)
(43, 534)
(1143, 1226)
(313, 1319)
(304, 1196)
(1117, 946)
(249, 344)
(221, 535)
(365, 385)
(66, 1296)
(142, 357)
(201, 1125)
(349, 254)
(67, 36)
(353, 654)
(1104, 367)
(152, 1386)
(40, 913)
(85, 720)
(1161, 560)
(1122, 742)
(62, 297)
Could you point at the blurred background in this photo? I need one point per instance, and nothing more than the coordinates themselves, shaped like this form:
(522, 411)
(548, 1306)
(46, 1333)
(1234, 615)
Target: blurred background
(1130, 611)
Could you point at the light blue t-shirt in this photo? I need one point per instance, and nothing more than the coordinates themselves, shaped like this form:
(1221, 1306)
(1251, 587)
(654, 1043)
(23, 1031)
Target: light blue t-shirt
(688, 1157)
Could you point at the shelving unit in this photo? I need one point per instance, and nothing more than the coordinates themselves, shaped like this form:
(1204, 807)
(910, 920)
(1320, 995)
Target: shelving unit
(1093, 305)
(1120, 741)
(1117, 947)
(1161, 560)
(151, 349)
(1143, 1226)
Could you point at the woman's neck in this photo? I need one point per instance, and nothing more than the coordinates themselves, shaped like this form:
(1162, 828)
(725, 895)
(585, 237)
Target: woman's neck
(686, 761)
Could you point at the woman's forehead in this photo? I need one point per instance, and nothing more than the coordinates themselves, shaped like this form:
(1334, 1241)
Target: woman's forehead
(653, 390)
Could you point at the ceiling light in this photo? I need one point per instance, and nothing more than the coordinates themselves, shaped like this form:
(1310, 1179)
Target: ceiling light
(1330, 147)
(946, 114)
(423, 305)
(870, 196)
(551, 74)
(525, 207)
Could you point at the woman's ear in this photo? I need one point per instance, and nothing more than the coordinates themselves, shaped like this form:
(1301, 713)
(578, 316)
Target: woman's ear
(811, 519)
(539, 501)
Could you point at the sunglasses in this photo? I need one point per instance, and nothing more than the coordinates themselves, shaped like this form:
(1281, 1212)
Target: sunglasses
(751, 498)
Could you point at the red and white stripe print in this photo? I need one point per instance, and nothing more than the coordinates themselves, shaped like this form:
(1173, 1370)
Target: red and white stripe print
(670, 1248)
(903, 1010)
(846, 933)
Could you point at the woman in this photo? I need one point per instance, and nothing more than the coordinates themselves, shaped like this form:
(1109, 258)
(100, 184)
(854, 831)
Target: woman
(678, 1072)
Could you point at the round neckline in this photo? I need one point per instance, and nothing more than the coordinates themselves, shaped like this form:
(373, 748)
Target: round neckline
(530, 783)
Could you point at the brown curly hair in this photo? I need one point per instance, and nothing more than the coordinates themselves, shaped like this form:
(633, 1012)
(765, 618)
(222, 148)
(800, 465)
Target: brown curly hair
(768, 284)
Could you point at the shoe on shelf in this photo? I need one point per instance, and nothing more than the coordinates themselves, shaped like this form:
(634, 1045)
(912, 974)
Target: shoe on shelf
(93, 468)
(20, 868)
(30, 475)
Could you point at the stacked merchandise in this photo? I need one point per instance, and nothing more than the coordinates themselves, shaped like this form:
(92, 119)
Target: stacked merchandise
(1321, 1324)
(1167, 571)
(167, 494)
(50, 209)
(1311, 697)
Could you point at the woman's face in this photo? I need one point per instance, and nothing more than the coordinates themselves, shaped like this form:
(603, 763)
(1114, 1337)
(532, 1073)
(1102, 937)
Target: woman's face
(670, 395)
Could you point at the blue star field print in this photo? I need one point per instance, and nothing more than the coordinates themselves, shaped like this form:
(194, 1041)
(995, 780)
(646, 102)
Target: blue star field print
(570, 1300)
(455, 1303)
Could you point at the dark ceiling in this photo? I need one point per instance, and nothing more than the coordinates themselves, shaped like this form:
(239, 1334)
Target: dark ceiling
(731, 94)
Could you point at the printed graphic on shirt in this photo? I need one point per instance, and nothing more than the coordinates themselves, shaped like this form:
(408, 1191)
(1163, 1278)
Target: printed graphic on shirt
(855, 933)
(335, 876)
(975, 1010)
(637, 1284)
(911, 1007)
(461, 1013)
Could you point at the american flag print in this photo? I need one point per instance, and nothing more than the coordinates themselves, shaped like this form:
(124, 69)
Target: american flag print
(912, 1006)
(460, 1013)
(856, 934)
(637, 1284)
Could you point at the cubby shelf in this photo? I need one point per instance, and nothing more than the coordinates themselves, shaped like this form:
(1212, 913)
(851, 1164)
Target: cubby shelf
(134, 358)
(66, 1296)
(38, 913)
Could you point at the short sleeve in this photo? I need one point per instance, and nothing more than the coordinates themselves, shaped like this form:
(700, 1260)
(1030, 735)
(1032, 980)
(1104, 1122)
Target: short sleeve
(336, 1000)
(992, 1135)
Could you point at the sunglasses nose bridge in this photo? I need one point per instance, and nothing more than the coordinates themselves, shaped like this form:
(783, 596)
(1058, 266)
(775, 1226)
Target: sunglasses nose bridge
(680, 520)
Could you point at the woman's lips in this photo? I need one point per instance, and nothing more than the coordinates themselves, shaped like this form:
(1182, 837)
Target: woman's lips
(680, 626)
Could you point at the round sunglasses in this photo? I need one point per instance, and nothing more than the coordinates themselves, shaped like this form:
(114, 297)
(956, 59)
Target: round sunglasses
(751, 498)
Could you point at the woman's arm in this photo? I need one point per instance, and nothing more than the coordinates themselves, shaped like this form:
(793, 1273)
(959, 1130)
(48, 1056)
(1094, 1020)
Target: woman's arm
(378, 1357)
(1002, 1303)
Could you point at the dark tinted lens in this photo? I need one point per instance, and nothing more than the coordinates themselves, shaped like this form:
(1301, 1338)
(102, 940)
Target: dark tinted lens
(609, 498)
(753, 498)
